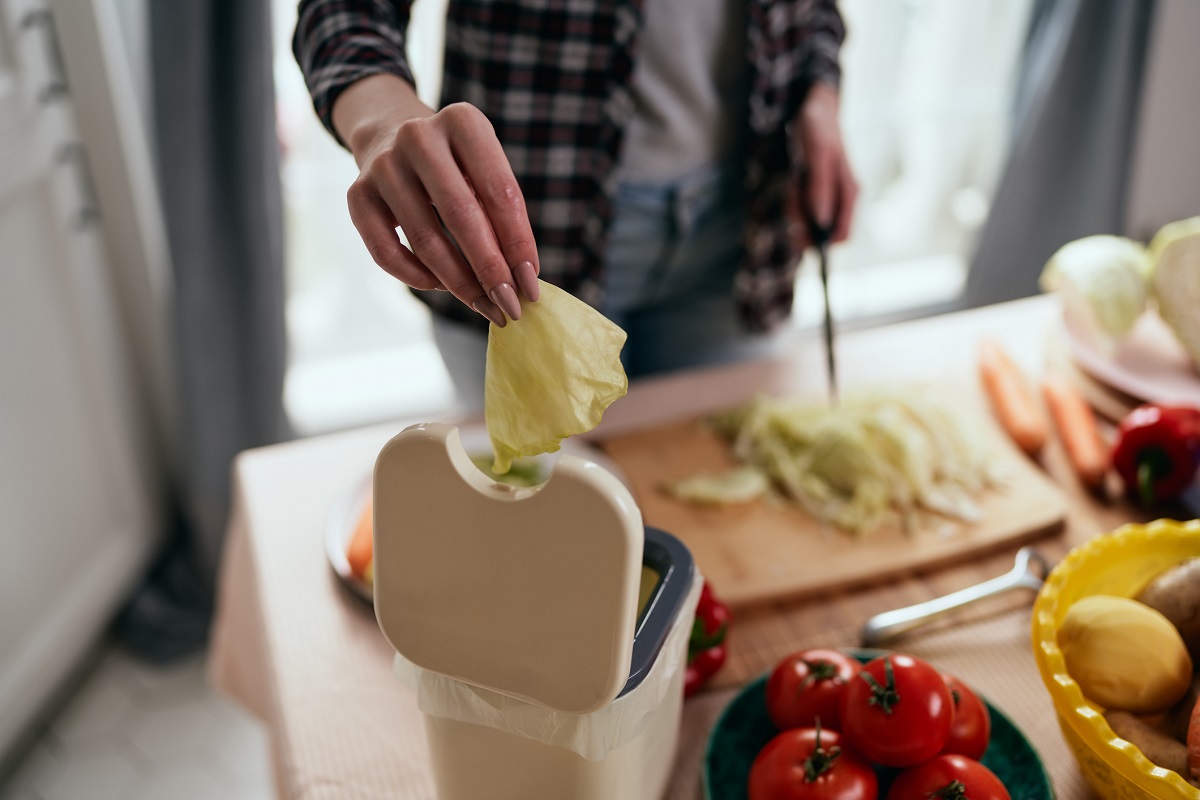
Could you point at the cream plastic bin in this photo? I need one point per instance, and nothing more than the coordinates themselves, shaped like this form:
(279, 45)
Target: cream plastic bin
(544, 630)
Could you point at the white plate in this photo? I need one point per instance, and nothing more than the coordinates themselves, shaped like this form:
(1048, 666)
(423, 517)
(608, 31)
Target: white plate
(1149, 364)
(345, 513)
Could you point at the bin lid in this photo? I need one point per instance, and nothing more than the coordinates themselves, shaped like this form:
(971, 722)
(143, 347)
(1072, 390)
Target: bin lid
(530, 592)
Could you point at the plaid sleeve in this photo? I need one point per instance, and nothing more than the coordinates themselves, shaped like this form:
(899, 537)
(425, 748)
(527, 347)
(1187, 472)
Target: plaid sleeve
(826, 33)
(338, 42)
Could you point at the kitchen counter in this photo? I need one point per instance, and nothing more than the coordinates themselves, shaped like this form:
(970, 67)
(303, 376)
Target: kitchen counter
(295, 647)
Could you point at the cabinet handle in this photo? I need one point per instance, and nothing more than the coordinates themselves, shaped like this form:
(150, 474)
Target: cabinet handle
(56, 88)
(74, 154)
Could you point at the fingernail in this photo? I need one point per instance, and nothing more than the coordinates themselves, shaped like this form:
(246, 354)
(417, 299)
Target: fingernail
(504, 296)
(495, 315)
(527, 279)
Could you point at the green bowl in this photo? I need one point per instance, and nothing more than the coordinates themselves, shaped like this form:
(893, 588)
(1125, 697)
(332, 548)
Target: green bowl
(744, 728)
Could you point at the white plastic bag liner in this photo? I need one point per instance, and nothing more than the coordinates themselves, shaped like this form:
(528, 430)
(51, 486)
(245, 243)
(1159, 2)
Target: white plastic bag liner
(592, 735)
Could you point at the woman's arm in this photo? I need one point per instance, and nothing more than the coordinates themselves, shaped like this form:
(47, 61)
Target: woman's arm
(442, 177)
(339, 42)
(828, 190)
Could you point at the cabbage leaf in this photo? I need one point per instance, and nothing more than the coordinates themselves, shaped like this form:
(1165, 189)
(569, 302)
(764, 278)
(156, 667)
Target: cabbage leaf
(741, 485)
(550, 375)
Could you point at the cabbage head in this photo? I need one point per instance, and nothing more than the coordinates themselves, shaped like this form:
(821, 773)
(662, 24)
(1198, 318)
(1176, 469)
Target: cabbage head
(1102, 283)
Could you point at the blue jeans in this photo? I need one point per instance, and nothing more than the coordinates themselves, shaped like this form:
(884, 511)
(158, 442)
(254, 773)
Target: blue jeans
(673, 249)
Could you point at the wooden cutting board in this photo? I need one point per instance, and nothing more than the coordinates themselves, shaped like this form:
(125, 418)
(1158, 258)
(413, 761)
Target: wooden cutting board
(767, 551)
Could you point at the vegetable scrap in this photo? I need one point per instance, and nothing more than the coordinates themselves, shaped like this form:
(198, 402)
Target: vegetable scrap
(742, 485)
(549, 376)
(522, 473)
(871, 460)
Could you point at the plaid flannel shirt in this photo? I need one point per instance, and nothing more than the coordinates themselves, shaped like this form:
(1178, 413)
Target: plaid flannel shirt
(553, 76)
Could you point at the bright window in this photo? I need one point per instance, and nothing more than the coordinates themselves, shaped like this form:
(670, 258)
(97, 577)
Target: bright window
(926, 102)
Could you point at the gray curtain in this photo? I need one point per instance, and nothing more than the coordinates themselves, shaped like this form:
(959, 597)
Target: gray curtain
(214, 117)
(1074, 124)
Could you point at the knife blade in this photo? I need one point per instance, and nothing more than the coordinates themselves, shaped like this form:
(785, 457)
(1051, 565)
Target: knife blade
(819, 236)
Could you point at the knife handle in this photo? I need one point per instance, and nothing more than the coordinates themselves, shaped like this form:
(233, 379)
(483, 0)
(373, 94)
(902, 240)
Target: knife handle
(818, 236)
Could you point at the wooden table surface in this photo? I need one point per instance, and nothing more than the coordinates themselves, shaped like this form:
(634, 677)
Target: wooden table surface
(910, 353)
(295, 647)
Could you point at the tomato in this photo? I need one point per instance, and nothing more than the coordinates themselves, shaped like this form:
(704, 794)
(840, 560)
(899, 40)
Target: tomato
(897, 711)
(972, 726)
(948, 777)
(807, 686)
(810, 764)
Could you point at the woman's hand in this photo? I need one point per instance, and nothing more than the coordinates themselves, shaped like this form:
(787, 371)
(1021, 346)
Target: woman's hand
(442, 177)
(827, 190)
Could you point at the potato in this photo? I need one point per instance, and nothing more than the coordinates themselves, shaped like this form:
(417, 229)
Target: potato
(1176, 595)
(1156, 745)
(1124, 654)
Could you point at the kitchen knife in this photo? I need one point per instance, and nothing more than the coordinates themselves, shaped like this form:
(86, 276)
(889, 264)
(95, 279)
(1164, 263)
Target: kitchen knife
(819, 236)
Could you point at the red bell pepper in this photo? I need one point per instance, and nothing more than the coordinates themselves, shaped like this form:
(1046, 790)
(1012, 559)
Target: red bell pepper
(1157, 452)
(707, 646)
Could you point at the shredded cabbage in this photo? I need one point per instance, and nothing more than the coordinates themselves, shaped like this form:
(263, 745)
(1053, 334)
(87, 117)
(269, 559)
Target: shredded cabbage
(870, 460)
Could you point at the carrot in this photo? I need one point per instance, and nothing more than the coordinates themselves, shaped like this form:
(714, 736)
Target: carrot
(1012, 398)
(362, 546)
(1078, 430)
(1193, 746)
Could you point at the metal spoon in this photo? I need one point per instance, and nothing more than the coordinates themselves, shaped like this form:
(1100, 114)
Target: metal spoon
(1029, 571)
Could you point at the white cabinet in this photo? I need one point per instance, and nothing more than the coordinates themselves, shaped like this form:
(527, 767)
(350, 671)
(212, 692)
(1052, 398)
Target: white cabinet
(78, 476)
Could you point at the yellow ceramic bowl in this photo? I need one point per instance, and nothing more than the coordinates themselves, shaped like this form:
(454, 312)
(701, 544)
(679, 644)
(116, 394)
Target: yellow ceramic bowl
(1120, 563)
